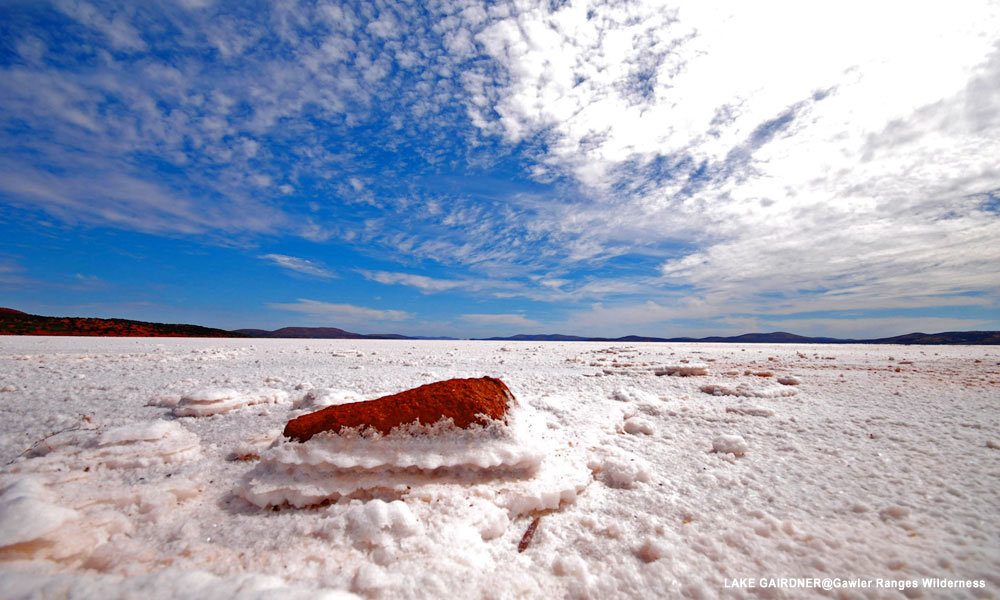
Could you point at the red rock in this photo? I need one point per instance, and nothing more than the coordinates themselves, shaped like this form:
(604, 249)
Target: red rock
(465, 401)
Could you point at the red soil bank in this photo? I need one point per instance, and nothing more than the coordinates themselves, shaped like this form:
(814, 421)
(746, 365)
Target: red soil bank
(466, 401)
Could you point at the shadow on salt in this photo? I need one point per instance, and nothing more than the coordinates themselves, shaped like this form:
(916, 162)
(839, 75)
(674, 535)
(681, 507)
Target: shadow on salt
(516, 463)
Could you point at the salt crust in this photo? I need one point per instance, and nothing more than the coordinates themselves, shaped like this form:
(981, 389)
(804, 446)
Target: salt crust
(35, 580)
(749, 391)
(73, 491)
(214, 401)
(27, 513)
(519, 465)
(730, 444)
(682, 370)
(632, 394)
(882, 474)
(126, 447)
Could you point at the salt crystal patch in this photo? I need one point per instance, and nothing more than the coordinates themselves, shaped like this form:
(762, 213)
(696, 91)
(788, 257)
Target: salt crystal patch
(558, 481)
(377, 522)
(145, 444)
(631, 394)
(165, 401)
(730, 444)
(651, 550)
(214, 401)
(209, 396)
(683, 370)
(751, 411)
(569, 565)
(491, 521)
(269, 396)
(323, 397)
(573, 567)
(142, 432)
(748, 391)
(620, 472)
(636, 425)
(126, 447)
(369, 577)
(209, 401)
(35, 581)
(891, 513)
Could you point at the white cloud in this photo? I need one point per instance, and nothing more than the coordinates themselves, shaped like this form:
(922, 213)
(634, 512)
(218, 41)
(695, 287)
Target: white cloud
(796, 148)
(331, 312)
(515, 320)
(125, 201)
(116, 26)
(421, 282)
(300, 265)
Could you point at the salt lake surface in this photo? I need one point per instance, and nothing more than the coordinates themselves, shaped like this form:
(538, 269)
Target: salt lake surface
(657, 470)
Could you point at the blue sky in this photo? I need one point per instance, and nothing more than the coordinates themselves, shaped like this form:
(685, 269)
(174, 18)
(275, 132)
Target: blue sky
(472, 169)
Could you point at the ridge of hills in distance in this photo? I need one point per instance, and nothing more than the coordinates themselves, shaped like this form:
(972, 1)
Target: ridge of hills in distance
(15, 322)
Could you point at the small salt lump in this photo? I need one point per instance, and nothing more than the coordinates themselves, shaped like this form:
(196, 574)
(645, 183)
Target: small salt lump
(731, 444)
(208, 402)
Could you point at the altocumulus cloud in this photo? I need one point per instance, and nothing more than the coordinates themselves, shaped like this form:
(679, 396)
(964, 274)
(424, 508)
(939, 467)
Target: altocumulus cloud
(652, 161)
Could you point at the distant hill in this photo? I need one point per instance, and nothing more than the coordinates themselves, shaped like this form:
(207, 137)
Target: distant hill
(302, 332)
(326, 333)
(551, 337)
(971, 338)
(783, 337)
(15, 322)
(777, 337)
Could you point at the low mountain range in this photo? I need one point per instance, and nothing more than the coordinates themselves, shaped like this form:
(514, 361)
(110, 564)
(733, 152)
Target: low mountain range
(15, 322)
(330, 333)
(977, 338)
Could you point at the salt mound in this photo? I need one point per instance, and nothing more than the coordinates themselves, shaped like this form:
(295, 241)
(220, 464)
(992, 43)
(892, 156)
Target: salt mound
(27, 513)
(203, 403)
(730, 444)
(214, 401)
(517, 465)
(375, 523)
(125, 447)
(682, 370)
(145, 444)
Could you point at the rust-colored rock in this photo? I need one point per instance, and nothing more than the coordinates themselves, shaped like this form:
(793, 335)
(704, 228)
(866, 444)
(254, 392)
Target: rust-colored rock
(465, 401)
